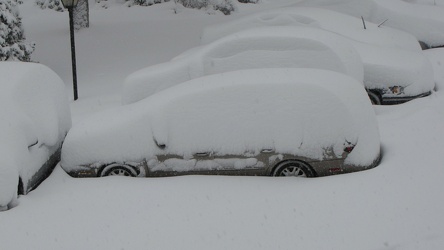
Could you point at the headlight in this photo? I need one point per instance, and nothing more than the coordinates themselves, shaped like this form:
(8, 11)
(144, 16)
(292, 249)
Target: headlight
(395, 90)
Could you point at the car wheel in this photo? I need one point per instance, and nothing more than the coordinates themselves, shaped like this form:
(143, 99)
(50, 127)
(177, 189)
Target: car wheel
(374, 97)
(118, 170)
(294, 169)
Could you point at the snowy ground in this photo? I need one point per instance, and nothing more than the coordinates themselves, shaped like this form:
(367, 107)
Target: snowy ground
(398, 205)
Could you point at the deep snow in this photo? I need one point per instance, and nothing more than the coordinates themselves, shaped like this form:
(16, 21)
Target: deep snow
(397, 205)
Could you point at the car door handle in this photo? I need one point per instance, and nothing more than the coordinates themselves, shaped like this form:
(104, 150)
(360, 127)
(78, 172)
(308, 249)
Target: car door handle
(203, 154)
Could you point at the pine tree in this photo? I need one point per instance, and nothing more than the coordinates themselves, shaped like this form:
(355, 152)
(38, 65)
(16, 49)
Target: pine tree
(12, 40)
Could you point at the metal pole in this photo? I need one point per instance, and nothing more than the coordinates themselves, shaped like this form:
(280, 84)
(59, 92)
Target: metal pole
(73, 52)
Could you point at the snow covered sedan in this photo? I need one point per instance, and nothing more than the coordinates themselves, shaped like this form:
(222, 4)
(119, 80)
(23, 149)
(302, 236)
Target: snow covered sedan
(35, 119)
(278, 122)
(395, 68)
(426, 23)
(266, 47)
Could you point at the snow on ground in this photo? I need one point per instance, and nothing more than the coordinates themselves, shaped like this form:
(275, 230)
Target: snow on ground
(397, 205)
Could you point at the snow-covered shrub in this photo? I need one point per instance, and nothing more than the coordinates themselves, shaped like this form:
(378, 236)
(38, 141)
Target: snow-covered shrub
(248, 1)
(129, 3)
(12, 40)
(50, 4)
(224, 6)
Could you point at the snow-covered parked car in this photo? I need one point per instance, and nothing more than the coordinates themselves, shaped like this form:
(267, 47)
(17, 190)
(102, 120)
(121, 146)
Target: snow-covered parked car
(278, 122)
(347, 26)
(266, 47)
(395, 68)
(35, 120)
(425, 22)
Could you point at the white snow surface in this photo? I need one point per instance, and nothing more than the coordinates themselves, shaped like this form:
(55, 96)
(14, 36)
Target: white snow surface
(35, 110)
(425, 22)
(396, 205)
(264, 47)
(241, 111)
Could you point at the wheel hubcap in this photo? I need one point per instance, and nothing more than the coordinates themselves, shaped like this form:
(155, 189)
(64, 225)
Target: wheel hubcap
(120, 172)
(293, 171)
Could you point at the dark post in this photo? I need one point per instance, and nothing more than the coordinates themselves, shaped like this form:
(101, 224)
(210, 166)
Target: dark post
(73, 52)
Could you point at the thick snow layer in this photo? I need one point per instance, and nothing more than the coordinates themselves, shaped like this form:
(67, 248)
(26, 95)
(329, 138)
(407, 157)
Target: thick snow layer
(436, 57)
(394, 206)
(233, 113)
(34, 111)
(390, 57)
(385, 67)
(266, 47)
(345, 25)
(427, 2)
(425, 22)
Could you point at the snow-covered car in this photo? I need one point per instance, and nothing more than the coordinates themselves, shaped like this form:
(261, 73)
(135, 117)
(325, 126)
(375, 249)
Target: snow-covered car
(425, 22)
(35, 120)
(278, 122)
(395, 68)
(347, 26)
(266, 47)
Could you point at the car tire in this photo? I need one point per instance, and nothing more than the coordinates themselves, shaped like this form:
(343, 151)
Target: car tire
(118, 170)
(293, 168)
(375, 97)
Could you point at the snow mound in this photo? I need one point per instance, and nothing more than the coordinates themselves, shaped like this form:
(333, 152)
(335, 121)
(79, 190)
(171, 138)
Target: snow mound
(286, 110)
(265, 47)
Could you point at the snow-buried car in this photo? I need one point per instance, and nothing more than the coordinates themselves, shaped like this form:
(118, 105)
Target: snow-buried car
(278, 122)
(395, 68)
(267, 47)
(35, 119)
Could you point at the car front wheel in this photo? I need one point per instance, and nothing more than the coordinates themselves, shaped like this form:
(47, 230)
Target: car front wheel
(118, 170)
(294, 169)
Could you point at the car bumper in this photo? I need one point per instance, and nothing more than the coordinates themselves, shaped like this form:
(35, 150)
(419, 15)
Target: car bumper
(84, 172)
(390, 100)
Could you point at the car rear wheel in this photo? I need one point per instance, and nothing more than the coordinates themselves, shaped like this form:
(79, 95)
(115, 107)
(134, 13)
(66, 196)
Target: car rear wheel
(118, 170)
(294, 169)
(375, 98)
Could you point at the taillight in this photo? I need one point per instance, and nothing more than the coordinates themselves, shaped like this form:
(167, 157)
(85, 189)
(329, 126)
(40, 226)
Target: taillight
(348, 146)
(349, 149)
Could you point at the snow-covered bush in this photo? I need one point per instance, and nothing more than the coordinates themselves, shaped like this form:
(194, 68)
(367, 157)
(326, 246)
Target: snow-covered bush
(50, 4)
(248, 1)
(129, 3)
(12, 40)
(224, 6)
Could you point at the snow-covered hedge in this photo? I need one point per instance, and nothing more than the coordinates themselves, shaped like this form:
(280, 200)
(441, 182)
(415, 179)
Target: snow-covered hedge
(50, 4)
(225, 6)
